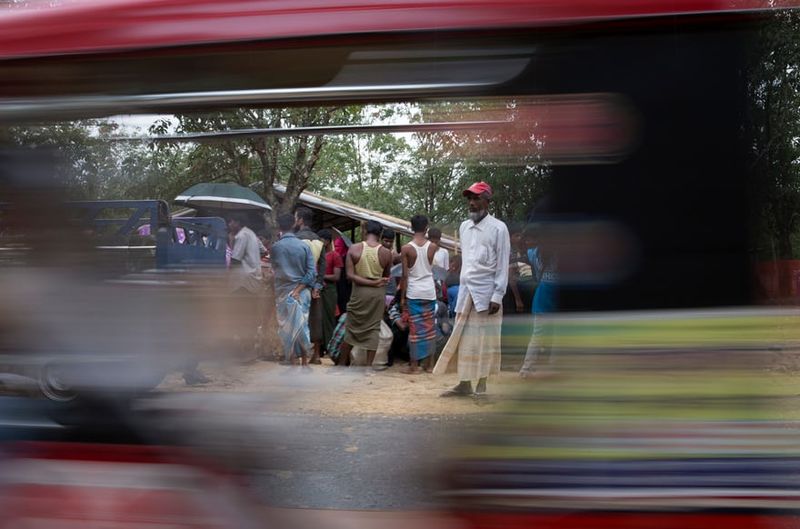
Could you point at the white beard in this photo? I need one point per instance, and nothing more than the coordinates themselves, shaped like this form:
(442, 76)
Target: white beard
(477, 216)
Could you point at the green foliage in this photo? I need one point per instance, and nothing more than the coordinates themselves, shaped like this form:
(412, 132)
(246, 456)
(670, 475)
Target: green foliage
(774, 121)
(396, 174)
(262, 161)
(86, 163)
(425, 172)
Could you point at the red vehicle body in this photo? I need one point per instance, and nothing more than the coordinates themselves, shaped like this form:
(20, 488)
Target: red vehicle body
(124, 25)
(676, 64)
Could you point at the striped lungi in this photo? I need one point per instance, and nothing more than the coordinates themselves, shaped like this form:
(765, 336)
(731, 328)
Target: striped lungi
(422, 328)
(474, 344)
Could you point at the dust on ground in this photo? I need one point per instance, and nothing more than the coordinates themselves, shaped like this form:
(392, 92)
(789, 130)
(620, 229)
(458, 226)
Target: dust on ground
(330, 391)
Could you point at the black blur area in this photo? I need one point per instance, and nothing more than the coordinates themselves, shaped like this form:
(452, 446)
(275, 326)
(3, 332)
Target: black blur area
(682, 192)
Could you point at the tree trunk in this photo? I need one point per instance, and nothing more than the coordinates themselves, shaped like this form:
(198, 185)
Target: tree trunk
(243, 171)
(290, 198)
(304, 163)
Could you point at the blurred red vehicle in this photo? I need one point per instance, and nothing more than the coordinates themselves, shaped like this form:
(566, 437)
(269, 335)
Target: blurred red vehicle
(645, 103)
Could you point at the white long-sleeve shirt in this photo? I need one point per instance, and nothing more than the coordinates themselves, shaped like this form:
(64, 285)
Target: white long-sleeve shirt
(485, 249)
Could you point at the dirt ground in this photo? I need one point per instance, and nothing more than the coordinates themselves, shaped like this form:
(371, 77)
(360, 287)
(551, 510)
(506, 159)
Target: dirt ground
(330, 391)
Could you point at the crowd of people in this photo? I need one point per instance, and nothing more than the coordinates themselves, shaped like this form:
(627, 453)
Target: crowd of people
(367, 304)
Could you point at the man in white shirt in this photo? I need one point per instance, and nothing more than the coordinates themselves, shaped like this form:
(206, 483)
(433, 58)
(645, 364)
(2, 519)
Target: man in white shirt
(245, 280)
(485, 249)
(442, 257)
(418, 302)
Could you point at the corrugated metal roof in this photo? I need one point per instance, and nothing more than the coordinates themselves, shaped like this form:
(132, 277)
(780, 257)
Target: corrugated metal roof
(351, 211)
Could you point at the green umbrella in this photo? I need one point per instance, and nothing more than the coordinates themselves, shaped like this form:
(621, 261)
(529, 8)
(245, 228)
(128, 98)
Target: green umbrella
(222, 196)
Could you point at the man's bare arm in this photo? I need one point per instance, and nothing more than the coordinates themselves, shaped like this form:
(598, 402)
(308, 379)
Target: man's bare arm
(404, 279)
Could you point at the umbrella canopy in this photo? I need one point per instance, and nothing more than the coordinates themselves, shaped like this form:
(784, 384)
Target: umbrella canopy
(222, 196)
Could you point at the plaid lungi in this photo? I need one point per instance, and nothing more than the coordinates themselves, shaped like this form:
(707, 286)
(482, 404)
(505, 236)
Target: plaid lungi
(474, 344)
(422, 328)
(335, 343)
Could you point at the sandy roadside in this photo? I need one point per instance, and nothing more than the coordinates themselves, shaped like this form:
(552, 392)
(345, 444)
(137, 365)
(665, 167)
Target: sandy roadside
(330, 391)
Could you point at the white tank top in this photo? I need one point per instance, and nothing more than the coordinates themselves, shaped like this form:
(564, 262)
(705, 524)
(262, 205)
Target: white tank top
(420, 276)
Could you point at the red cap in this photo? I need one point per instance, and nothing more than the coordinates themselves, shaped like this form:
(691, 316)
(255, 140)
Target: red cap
(478, 188)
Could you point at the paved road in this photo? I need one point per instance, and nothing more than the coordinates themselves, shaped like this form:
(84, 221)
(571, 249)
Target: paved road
(306, 461)
(354, 463)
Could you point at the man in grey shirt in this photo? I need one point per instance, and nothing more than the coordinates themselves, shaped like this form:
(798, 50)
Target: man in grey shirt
(245, 281)
(245, 257)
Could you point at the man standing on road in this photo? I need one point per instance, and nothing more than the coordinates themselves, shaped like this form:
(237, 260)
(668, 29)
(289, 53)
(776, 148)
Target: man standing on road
(295, 276)
(303, 220)
(245, 280)
(544, 263)
(419, 295)
(485, 249)
(367, 266)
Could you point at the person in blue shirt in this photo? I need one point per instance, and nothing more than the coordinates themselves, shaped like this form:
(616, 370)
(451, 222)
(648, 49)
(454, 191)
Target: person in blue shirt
(295, 275)
(544, 264)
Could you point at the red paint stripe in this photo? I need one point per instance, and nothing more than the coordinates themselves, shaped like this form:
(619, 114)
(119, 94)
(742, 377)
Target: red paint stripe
(108, 25)
(95, 452)
(650, 520)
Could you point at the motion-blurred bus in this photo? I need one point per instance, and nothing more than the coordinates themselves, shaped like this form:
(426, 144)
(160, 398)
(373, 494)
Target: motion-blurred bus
(668, 130)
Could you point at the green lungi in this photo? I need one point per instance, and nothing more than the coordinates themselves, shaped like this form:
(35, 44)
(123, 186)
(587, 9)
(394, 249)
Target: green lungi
(364, 315)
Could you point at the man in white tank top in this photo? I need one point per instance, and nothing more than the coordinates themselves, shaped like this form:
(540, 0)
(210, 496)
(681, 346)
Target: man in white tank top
(418, 301)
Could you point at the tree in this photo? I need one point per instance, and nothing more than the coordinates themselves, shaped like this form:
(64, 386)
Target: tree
(145, 172)
(425, 172)
(263, 160)
(397, 174)
(435, 177)
(774, 93)
(509, 158)
(86, 162)
(369, 169)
